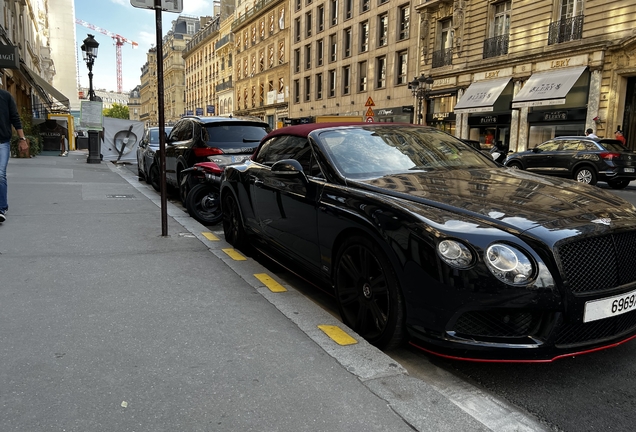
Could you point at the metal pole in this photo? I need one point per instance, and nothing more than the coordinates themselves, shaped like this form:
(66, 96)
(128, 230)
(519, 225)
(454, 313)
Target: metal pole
(162, 129)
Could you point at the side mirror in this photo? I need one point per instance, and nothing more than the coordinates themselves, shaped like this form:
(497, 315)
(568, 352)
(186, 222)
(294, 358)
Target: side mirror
(287, 167)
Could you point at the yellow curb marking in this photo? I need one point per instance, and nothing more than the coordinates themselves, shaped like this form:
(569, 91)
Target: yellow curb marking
(210, 236)
(337, 335)
(234, 254)
(270, 283)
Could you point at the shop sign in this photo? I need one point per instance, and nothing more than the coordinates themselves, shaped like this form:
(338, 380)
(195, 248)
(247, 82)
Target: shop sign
(9, 57)
(408, 109)
(488, 120)
(443, 82)
(385, 112)
(440, 115)
(555, 115)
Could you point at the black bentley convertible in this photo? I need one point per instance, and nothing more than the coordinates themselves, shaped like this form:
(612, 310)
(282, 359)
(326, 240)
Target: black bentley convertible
(422, 238)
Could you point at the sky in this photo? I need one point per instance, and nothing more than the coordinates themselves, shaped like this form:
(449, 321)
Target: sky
(135, 24)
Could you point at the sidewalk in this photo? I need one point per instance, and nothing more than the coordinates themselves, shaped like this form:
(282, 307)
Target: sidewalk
(105, 325)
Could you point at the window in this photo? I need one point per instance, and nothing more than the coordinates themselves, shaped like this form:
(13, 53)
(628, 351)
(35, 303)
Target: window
(332, 83)
(347, 42)
(334, 12)
(346, 80)
(443, 55)
(320, 51)
(348, 5)
(321, 17)
(308, 24)
(364, 6)
(307, 56)
(380, 72)
(299, 4)
(333, 48)
(297, 60)
(383, 29)
(402, 67)
(261, 61)
(270, 60)
(296, 91)
(281, 52)
(499, 30)
(319, 86)
(307, 89)
(364, 36)
(297, 29)
(570, 22)
(405, 22)
(362, 74)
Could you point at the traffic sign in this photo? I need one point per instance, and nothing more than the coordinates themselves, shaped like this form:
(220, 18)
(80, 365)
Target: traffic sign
(166, 5)
(369, 119)
(369, 102)
(369, 112)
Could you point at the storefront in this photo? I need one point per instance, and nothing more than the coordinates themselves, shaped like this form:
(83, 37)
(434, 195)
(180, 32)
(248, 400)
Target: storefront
(392, 115)
(490, 129)
(439, 110)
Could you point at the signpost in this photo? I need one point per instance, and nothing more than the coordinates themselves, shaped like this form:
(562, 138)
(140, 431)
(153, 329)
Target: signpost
(369, 114)
(168, 6)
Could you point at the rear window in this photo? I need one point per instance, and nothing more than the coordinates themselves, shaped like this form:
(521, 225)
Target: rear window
(613, 145)
(234, 135)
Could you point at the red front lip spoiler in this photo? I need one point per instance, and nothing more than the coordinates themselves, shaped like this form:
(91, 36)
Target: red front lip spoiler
(560, 356)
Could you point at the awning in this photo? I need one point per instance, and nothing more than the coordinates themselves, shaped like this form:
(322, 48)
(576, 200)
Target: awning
(481, 96)
(547, 88)
(44, 88)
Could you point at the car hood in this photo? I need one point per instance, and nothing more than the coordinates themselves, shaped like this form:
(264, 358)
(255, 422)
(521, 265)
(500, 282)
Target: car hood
(505, 197)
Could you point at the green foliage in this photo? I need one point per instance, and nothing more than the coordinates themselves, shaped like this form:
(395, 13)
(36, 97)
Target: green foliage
(117, 111)
(31, 132)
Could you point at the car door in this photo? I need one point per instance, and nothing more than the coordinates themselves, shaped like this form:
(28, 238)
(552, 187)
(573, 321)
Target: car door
(540, 159)
(285, 206)
(565, 158)
(180, 139)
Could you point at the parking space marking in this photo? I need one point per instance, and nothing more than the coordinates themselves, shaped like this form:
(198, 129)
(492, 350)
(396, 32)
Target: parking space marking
(270, 283)
(210, 236)
(234, 254)
(337, 334)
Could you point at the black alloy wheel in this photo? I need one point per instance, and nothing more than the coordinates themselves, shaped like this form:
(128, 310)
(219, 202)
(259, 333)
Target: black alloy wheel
(233, 224)
(155, 179)
(585, 174)
(204, 204)
(368, 293)
(618, 184)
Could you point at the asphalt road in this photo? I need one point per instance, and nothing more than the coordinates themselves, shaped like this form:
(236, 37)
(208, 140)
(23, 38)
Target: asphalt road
(594, 392)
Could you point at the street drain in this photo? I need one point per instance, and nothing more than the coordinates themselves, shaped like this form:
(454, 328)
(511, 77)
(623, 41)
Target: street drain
(121, 196)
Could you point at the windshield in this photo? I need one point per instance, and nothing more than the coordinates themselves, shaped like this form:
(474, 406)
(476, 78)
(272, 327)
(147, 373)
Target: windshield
(234, 135)
(154, 135)
(376, 151)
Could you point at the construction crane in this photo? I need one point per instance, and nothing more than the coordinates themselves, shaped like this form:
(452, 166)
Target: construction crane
(119, 41)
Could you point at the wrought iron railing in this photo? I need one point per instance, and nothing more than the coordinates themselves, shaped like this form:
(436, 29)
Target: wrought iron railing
(566, 30)
(442, 57)
(496, 46)
(224, 86)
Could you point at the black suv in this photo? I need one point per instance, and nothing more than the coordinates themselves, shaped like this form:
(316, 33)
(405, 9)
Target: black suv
(581, 158)
(221, 140)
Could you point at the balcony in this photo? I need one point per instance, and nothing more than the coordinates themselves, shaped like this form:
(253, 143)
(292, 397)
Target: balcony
(496, 46)
(442, 57)
(223, 86)
(566, 30)
(224, 41)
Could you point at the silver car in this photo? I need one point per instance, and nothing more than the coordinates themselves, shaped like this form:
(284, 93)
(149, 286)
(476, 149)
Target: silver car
(146, 150)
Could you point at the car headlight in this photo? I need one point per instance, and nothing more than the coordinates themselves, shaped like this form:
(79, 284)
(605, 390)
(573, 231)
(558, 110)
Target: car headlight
(455, 253)
(508, 264)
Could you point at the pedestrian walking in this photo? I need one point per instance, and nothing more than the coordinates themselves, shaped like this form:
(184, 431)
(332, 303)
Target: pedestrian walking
(8, 117)
(590, 133)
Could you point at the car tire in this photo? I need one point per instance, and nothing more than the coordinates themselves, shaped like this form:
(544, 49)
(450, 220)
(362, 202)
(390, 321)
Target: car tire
(233, 228)
(514, 165)
(155, 179)
(619, 184)
(204, 204)
(368, 293)
(585, 174)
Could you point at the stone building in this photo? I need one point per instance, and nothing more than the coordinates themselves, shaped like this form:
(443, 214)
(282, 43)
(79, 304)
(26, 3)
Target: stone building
(524, 72)
(148, 91)
(134, 104)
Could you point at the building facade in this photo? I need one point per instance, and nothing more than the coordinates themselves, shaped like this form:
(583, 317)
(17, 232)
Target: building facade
(148, 90)
(524, 72)
(134, 104)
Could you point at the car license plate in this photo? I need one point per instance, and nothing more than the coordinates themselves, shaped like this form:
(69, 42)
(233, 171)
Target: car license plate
(609, 307)
(629, 170)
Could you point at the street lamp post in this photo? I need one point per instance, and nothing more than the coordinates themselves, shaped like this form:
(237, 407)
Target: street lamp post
(420, 87)
(89, 52)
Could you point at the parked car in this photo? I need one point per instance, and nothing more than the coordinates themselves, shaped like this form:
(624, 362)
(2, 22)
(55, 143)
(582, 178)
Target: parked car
(421, 237)
(584, 159)
(220, 140)
(146, 150)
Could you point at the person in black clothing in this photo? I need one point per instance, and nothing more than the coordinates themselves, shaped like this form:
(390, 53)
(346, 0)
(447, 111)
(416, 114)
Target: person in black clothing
(8, 117)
